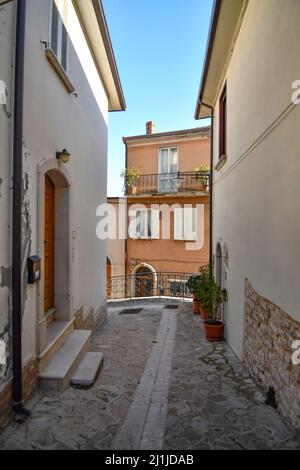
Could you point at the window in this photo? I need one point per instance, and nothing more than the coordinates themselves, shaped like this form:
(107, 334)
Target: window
(144, 224)
(168, 169)
(59, 35)
(185, 224)
(223, 122)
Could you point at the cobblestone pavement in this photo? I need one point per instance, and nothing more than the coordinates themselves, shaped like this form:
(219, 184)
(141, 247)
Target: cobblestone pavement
(214, 403)
(208, 399)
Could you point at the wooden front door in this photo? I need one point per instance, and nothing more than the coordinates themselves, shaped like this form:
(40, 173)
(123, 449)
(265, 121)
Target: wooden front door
(49, 244)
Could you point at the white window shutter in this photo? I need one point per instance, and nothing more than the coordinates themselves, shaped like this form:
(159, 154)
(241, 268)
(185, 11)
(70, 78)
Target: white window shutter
(54, 28)
(189, 224)
(195, 223)
(132, 223)
(64, 48)
(142, 224)
(178, 224)
(155, 224)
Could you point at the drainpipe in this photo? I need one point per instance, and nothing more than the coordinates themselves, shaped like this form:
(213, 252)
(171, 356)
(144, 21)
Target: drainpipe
(17, 281)
(211, 181)
(211, 186)
(126, 239)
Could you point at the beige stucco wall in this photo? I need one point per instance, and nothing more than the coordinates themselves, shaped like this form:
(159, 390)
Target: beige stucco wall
(53, 120)
(257, 192)
(116, 246)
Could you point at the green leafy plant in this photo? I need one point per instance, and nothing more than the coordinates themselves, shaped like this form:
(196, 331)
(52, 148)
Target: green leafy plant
(202, 173)
(193, 282)
(201, 287)
(130, 176)
(214, 297)
(209, 293)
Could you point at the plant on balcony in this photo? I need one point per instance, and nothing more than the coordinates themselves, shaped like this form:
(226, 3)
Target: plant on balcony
(202, 173)
(130, 176)
(212, 299)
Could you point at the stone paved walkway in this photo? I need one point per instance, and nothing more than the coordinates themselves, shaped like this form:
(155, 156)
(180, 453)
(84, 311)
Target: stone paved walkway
(199, 395)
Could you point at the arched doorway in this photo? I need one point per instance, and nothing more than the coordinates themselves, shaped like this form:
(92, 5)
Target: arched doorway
(49, 245)
(54, 246)
(108, 277)
(144, 282)
(219, 265)
(219, 274)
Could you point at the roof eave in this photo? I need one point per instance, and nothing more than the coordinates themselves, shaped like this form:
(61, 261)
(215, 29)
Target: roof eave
(98, 7)
(227, 17)
(92, 18)
(209, 48)
(202, 131)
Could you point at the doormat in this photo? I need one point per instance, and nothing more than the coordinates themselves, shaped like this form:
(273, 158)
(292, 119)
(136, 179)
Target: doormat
(130, 311)
(171, 307)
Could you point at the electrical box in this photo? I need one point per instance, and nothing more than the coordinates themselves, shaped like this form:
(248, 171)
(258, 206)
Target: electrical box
(34, 269)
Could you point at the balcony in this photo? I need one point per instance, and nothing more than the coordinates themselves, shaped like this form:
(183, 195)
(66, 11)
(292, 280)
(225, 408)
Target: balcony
(168, 183)
(152, 285)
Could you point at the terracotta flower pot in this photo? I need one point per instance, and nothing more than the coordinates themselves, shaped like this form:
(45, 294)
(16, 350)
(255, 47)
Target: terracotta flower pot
(131, 190)
(196, 307)
(214, 331)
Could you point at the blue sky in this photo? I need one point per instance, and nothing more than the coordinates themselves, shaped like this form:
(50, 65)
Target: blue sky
(159, 47)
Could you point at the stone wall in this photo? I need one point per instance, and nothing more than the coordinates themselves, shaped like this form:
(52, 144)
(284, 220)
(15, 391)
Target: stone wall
(30, 381)
(268, 338)
(90, 320)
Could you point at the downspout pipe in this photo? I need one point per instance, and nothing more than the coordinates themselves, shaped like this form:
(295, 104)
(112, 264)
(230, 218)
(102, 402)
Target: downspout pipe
(17, 279)
(126, 239)
(211, 180)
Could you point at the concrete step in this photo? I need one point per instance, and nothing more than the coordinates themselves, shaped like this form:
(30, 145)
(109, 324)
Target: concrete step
(56, 376)
(57, 334)
(88, 370)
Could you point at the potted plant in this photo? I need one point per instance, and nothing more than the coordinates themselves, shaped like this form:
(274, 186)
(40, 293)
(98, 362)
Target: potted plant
(193, 283)
(202, 288)
(214, 297)
(202, 173)
(130, 176)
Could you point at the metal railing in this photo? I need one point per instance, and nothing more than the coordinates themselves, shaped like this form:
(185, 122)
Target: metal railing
(168, 183)
(143, 285)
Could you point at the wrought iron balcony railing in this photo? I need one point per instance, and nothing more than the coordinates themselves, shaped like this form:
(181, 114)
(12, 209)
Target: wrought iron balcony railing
(168, 183)
(148, 285)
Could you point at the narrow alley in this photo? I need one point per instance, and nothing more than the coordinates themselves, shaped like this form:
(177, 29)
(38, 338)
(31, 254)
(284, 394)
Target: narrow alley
(163, 386)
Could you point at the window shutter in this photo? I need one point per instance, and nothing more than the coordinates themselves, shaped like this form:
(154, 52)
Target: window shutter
(190, 223)
(142, 227)
(149, 224)
(178, 224)
(155, 224)
(54, 28)
(195, 223)
(64, 48)
(132, 224)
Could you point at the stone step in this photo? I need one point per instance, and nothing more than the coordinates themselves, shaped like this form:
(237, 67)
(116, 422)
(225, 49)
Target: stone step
(56, 376)
(88, 370)
(57, 334)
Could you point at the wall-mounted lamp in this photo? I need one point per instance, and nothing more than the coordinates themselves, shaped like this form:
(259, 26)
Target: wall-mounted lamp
(63, 156)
